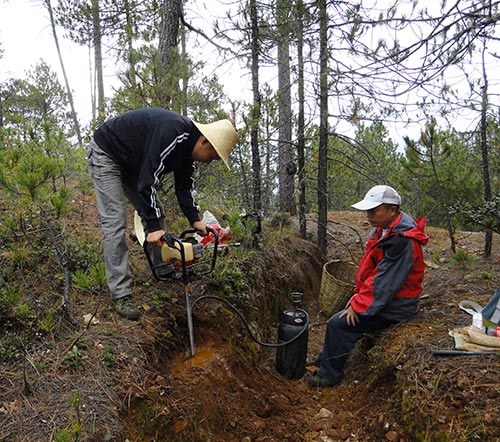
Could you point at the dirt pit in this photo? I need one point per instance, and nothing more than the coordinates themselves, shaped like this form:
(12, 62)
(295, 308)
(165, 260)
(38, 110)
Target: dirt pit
(394, 389)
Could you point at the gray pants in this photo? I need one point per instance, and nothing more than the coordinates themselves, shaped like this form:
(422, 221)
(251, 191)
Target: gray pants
(111, 194)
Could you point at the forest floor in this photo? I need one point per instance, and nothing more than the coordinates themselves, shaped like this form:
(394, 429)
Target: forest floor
(132, 381)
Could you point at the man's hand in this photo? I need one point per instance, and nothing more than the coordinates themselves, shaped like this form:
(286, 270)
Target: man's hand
(154, 238)
(352, 317)
(201, 228)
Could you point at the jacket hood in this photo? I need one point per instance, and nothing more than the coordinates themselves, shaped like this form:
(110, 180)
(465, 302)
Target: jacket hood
(418, 231)
(405, 225)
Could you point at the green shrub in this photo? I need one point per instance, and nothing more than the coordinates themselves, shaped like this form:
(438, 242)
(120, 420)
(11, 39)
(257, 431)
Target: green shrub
(9, 298)
(487, 277)
(92, 278)
(463, 257)
(73, 359)
(84, 253)
(235, 276)
(46, 324)
(11, 345)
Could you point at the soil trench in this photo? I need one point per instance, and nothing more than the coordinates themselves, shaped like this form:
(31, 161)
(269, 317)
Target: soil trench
(394, 389)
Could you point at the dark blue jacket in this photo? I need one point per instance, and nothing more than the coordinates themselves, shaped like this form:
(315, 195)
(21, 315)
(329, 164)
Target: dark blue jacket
(147, 144)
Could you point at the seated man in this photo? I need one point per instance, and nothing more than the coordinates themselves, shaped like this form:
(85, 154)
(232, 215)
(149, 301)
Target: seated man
(388, 282)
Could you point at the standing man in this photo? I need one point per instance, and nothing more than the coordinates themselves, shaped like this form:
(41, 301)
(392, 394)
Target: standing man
(128, 157)
(388, 282)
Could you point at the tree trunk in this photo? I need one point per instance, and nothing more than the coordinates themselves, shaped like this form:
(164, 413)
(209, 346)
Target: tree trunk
(97, 40)
(169, 36)
(286, 164)
(451, 234)
(256, 111)
(74, 117)
(185, 77)
(300, 124)
(488, 241)
(129, 32)
(268, 171)
(431, 143)
(323, 129)
(266, 123)
(245, 181)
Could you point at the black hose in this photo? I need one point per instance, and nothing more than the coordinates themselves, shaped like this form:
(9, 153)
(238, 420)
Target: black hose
(242, 318)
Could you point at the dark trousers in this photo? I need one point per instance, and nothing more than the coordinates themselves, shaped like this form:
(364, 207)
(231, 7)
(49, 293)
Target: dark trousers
(340, 340)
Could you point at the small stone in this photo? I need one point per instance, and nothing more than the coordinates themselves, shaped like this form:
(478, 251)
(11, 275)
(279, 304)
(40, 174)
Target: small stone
(317, 426)
(392, 436)
(179, 426)
(160, 380)
(89, 317)
(344, 434)
(259, 424)
(324, 414)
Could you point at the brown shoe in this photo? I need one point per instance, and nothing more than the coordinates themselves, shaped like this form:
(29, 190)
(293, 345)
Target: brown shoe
(315, 380)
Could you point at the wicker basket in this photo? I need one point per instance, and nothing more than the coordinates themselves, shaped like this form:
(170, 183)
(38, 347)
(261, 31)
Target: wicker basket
(337, 285)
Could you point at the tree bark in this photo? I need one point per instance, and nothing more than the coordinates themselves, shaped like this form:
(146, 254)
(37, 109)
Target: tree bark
(300, 123)
(97, 40)
(74, 116)
(286, 164)
(256, 111)
(168, 46)
(488, 240)
(185, 77)
(323, 129)
(129, 32)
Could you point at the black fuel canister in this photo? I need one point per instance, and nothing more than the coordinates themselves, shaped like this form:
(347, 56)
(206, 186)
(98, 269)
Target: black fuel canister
(291, 358)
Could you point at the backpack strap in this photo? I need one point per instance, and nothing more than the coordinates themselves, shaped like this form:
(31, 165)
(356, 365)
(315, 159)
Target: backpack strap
(470, 307)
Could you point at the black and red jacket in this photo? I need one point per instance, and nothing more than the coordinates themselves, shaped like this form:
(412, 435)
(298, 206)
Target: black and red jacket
(147, 144)
(389, 276)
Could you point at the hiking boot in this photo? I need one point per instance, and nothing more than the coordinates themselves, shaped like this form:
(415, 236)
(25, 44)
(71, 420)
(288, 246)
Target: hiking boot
(127, 308)
(315, 380)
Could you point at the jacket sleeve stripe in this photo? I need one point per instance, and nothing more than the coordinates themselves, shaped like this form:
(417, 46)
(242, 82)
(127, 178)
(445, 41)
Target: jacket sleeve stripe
(158, 172)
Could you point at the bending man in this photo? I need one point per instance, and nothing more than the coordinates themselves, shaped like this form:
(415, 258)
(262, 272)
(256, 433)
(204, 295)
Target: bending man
(128, 157)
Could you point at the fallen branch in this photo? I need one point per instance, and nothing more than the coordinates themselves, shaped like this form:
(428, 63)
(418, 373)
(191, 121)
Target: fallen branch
(77, 339)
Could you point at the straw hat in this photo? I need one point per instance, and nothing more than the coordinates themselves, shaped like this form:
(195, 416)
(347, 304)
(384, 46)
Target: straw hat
(222, 136)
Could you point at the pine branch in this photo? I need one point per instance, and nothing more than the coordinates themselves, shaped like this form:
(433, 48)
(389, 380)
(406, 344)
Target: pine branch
(206, 37)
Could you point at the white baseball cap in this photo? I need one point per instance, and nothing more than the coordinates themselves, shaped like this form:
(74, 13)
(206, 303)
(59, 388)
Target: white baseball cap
(378, 195)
